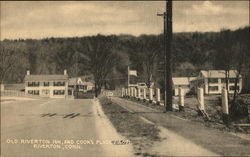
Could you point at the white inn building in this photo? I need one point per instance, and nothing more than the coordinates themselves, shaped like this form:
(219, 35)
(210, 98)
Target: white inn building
(52, 86)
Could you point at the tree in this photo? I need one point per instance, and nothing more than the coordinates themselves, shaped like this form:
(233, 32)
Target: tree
(144, 53)
(224, 53)
(64, 57)
(102, 59)
(8, 58)
(151, 50)
(241, 59)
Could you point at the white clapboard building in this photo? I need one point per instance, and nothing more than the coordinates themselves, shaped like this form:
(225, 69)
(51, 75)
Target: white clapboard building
(213, 81)
(52, 86)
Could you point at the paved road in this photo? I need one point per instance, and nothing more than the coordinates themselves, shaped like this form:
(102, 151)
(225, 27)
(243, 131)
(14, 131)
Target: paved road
(58, 127)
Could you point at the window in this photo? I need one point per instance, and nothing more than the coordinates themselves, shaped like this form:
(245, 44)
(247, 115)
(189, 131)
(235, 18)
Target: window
(58, 92)
(213, 80)
(232, 80)
(213, 88)
(232, 88)
(33, 84)
(34, 92)
(30, 91)
(45, 83)
(29, 84)
(85, 87)
(223, 80)
(59, 83)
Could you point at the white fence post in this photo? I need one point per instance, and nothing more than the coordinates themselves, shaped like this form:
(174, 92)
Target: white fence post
(201, 99)
(158, 96)
(139, 93)
(126, 92)
(123, 92)
(135, 92)
(144, 93)
(132, 91)
(181, 99)
(150, 95)
(224, 100)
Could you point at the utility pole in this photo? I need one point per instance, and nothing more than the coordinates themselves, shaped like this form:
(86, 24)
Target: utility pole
(168, 55)
(76, 73)
(128, 76)
(165, 57)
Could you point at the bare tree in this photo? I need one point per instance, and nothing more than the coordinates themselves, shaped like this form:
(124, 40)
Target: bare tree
(102, 59)
(149, 48)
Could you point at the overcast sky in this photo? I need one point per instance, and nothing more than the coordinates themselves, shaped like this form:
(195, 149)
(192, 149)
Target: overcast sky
(67, 19)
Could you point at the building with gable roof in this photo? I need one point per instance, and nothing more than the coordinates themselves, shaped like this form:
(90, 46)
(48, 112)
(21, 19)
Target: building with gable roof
(183, 82)
(81, 84)
(213, 81)
(52, 86)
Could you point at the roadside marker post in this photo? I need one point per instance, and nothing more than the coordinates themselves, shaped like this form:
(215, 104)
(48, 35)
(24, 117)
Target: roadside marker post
(132, 91)
(150, 95)
(181, 99)
(201, 99)
(224, 100)
(158, 96)
(144, 94)
(126, 92)
(123, 92)
(135, 92)
(139, 94)
(201, 105)
(129, 92)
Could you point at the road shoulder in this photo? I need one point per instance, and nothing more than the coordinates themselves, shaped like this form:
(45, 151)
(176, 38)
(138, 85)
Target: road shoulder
(211, 139)
(120, 146)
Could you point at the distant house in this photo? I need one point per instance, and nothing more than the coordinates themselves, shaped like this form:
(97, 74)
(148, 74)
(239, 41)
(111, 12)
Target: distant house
(213, 81)
(52, 86)
(183, 82)
(81, 84)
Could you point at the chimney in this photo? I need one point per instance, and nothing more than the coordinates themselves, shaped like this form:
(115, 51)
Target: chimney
(28, 72)
(65, 72)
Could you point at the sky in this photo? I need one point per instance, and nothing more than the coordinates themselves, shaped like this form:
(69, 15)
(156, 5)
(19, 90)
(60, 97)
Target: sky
(30, 19)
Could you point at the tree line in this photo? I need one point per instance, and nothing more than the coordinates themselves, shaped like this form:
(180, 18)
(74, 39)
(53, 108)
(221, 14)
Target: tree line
(107, 57)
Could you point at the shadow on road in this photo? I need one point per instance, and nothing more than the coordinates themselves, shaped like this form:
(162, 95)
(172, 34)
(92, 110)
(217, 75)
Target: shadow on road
(72, 115)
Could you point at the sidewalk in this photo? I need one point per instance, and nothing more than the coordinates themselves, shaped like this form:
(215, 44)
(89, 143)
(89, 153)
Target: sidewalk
(219, 142)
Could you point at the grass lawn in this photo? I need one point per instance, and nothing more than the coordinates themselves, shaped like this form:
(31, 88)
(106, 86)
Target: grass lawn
(141, 133)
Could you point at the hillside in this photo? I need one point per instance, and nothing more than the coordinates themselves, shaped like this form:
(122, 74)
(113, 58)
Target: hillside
(191, 53)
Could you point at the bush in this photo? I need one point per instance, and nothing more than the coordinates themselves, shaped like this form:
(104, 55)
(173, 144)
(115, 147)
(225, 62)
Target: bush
(240, 110)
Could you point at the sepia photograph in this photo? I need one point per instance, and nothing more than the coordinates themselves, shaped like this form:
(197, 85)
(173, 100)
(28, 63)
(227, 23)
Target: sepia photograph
(124, 78)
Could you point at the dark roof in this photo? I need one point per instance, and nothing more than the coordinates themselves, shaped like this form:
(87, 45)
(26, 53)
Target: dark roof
(45, 77)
